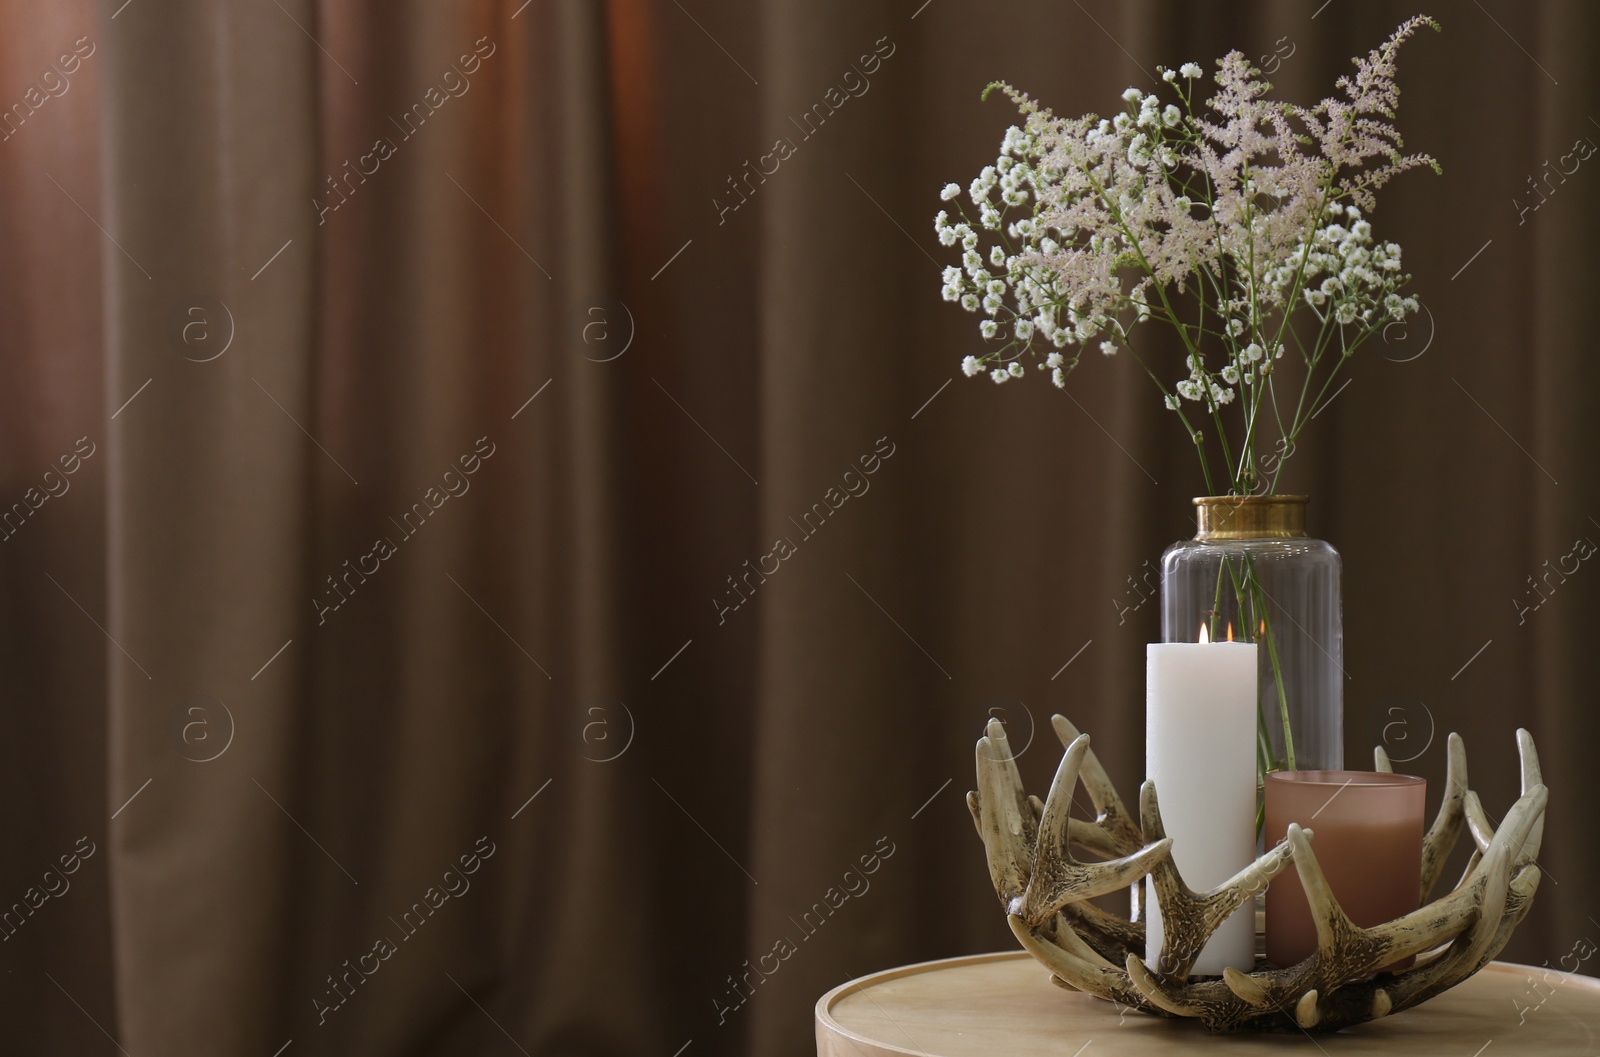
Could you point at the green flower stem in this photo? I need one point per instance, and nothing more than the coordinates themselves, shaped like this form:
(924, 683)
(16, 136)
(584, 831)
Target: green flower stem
(1283, 698)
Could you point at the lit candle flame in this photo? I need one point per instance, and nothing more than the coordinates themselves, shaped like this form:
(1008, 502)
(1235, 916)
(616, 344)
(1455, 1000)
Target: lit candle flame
(1204, 637)
(1230, 631)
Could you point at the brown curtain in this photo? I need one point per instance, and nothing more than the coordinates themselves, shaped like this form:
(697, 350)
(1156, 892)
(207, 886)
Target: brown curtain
(394, 669)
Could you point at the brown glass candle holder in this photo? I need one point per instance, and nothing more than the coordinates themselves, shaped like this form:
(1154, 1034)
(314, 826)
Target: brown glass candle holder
(1046, 891)
(1369, 828)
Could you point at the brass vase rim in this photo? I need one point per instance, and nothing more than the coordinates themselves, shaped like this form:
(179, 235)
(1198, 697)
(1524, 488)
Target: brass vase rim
(1225, 517)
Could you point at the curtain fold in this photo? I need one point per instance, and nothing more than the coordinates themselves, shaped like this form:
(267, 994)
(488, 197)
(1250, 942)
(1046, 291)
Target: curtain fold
(52, 568)
(540, 571)
(1565, 435)
(209, 165)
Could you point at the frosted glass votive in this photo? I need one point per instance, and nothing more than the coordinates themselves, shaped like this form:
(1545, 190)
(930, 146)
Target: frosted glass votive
(1367, 837)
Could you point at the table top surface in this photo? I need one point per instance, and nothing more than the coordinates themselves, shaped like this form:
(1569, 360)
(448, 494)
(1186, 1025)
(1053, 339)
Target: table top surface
(1004, 1005)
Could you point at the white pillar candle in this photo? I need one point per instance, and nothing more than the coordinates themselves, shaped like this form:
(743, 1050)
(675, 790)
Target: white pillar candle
(1200, 737)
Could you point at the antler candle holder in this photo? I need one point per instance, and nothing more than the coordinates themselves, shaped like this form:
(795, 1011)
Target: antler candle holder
(1046, 890)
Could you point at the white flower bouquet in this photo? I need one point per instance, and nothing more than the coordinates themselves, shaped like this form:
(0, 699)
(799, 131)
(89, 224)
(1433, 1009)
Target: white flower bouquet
(1241, 224)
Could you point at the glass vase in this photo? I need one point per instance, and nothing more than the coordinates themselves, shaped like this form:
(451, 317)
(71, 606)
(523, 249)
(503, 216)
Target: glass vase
(1251, 574)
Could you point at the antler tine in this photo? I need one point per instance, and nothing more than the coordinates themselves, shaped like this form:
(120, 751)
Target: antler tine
(1531, 776)
(976, 811)
(1069, 958)
(1380, 761)
(1246, 987)
(1478, 823)
(1326, 912)
(1005, 819)
(1058, 804)
(1114, 815)
(1441, 838)
(1148, 986)
(1306, 1013)
(1150, 811)
(1058, 878)
(1209, 1000)
(1523, 825)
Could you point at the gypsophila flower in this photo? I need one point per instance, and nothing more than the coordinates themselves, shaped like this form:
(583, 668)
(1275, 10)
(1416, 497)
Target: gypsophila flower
(1239, 220)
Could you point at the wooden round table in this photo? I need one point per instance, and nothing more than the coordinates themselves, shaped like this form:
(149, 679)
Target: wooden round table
(1004, 1005)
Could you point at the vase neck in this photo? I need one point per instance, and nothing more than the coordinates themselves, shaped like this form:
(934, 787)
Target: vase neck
(1236, 517)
